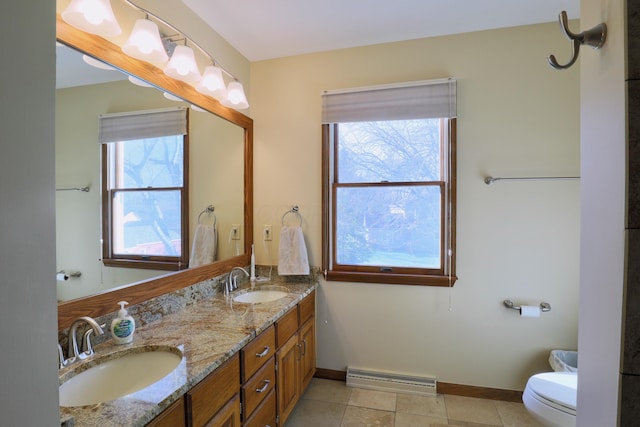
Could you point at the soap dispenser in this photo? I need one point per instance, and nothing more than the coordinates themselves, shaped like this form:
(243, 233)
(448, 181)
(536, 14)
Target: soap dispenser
(122, 326)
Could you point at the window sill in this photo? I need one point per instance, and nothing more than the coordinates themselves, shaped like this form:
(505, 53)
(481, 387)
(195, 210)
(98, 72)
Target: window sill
(146, 264)
(391, 279)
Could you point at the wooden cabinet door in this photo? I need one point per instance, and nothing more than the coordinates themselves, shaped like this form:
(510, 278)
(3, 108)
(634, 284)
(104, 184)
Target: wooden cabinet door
(212, 393)
(308, 353)
(288, 374)
(265, 415)
(228, 416)
(173, 416)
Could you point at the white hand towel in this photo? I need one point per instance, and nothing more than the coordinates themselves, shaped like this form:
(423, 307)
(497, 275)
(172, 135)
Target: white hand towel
(203, 249)
(292, 254)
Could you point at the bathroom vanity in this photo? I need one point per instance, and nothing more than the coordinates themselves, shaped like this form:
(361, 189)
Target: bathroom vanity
(235, 358)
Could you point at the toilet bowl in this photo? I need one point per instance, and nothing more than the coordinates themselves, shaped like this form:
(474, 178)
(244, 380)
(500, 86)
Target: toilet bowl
(550, 398)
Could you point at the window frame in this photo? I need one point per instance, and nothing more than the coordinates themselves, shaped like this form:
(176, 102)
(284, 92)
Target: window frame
(153, 262)
(443, 276)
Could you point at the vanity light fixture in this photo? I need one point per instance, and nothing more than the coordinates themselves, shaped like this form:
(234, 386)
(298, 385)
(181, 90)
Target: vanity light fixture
(92, 16)
(182, 65)
(144, 43)
(212, 83)
(148, 44)
(235, 96)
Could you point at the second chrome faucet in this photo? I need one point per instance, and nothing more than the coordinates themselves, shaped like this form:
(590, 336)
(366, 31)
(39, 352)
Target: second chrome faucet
(232, 281)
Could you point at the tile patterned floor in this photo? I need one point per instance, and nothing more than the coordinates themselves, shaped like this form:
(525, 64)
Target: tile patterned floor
(328, 403)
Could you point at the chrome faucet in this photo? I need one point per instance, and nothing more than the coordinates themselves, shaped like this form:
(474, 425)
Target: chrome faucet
(74, 353)
(232, 280)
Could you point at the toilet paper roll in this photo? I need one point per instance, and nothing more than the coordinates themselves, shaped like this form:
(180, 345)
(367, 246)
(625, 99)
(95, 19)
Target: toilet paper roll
(530, 311)
(61, 277)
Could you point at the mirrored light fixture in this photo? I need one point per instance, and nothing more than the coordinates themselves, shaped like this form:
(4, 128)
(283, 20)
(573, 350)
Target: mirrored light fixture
(138, 82)
(198, 109)
(97, 64)
(92, 16)
(172, 97)
(235, 96)
(212, 83)
(182, 65)
(145, 43)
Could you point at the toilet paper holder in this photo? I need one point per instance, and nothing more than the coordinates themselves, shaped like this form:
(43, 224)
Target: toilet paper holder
(65, 275)
(544, 306)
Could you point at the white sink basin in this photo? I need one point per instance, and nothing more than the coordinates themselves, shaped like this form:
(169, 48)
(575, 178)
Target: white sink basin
(118, 375)
(262, 294)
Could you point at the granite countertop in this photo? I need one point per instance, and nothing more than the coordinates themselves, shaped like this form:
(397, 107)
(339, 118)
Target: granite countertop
(207, 332)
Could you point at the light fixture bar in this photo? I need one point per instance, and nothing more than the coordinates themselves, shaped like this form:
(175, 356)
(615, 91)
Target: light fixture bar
(191, 41)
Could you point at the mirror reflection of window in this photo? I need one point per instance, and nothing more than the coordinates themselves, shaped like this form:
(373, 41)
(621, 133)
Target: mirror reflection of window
(145, 194)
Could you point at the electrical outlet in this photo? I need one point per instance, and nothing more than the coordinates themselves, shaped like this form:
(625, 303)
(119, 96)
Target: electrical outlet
(235, 232)
(266, 233)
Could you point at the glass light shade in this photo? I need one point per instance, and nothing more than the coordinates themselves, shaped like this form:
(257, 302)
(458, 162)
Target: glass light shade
(212, 83)
(182, 65)
(144, 43)
(92, 16)
(235, 96)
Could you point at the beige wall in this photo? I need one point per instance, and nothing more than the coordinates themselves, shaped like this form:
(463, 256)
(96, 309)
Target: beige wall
(216, 177)
(517, 240)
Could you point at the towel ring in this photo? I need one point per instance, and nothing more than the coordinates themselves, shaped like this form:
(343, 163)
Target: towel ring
(293, 210)
(208, 210)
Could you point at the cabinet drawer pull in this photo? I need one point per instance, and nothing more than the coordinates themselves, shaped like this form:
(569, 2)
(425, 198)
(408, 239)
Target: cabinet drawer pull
(264, 352)
(264, 387)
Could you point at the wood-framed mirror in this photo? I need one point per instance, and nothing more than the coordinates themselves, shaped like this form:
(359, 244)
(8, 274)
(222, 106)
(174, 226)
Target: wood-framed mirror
(103, 302)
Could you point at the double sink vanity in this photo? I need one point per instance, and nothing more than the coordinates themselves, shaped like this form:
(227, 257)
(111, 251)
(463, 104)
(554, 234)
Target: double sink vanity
(200, 356)
(211, 363)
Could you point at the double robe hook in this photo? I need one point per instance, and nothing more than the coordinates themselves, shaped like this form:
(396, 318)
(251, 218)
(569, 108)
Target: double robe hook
(593, 37)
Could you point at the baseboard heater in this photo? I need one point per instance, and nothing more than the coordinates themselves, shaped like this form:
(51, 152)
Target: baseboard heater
(392, 382)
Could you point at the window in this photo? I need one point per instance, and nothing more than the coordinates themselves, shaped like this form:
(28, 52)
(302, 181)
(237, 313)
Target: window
(389, 184)
(145, 195)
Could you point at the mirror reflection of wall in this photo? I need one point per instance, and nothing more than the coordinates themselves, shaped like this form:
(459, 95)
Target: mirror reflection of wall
(216, 177)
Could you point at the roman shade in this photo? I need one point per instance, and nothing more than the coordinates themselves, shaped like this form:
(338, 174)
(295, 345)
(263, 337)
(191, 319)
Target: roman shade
(414, 100)
(142, 124)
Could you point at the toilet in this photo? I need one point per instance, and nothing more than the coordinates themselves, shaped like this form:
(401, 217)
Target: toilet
(551, 397)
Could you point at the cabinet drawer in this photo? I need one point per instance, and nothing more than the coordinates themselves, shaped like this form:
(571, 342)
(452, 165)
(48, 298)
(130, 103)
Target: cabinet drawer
(257, 352)
(307, 307)
(286, 326)
(265, 415)
(258, 387)
(213, 392)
